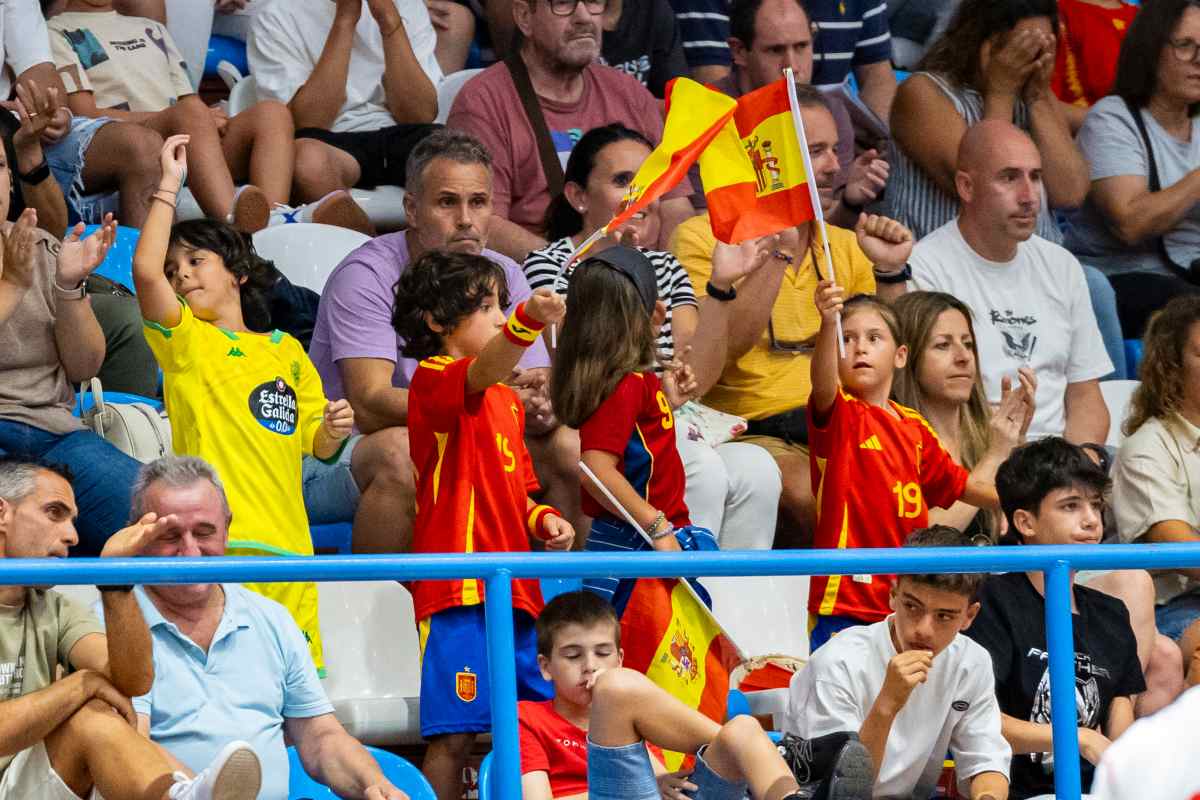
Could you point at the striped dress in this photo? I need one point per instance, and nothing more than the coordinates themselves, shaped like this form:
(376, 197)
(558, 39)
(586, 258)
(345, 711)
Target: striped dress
(919, 203)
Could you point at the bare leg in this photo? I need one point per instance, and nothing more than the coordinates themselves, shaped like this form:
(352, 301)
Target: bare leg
(1189, 643)
(97, 747)
(444, 762)
(208, 174)
(556, 462)
(383, 471)
(124, 156)
(320, 169)
(259, 148)
(1164, 677)
(797, 505)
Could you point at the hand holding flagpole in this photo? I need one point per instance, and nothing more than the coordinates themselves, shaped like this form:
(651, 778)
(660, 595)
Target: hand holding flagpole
(814, 196)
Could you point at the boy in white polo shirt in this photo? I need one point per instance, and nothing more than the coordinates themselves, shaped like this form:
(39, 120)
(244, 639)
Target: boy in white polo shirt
(912, 688)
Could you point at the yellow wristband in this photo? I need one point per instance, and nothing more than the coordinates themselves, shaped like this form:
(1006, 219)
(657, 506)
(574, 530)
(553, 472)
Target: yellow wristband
(534, 521)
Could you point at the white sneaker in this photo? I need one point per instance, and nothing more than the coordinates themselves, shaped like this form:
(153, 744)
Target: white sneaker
(251, 209)
(235, 774)
(336, 208)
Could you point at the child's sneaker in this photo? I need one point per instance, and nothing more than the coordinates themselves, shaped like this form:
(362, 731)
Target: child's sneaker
(251, 209)
(235, 774)
(336, 208)
(832, 767)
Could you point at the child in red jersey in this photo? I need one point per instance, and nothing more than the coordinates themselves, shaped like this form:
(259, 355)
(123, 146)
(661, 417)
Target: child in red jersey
(604, 383)
(474, 475)
(877, 466)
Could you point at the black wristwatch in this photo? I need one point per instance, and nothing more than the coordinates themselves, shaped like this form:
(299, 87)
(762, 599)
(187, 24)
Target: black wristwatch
(903, 276)
(720, 295)
(35, 175)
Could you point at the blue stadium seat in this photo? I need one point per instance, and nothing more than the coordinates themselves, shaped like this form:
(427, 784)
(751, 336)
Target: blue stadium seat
(332, 536)
(84, 401)
(403, 775)
(737, 704)
(1133, 358)
(553, 587)
(226, 48)
(118, 264)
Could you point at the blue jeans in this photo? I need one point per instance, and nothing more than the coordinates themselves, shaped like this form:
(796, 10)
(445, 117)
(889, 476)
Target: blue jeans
(1174, 617)
(102, 477)
(1104, 305)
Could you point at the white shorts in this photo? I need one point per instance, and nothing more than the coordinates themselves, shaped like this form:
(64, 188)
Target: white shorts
(30, 777)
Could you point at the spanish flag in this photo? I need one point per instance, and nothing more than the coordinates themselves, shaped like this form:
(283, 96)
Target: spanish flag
(695, 115)
(753, 171)
(671, 636)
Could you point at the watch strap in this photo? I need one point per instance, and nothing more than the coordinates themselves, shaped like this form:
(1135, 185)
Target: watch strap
(36, 175)
(721, 295)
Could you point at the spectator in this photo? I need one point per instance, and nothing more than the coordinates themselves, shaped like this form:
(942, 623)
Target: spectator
(642, 39)
(227, 660)
(592, 736)
(144, 80)
(52, 340)
(202, 290)
(75, 736)
(1089, 43)
(467, 437)
(33, 112)
(1168, 740)
(704, 29)
(773, 323)
(1026, 292)
(357, 352)
(941, 379)
(731, 489)
(867, 452)
(561, 40)
(360, 85)
(1156, 480)
(1141, 223)
(770, 35)
(1052, 494)
(853, 36)
(912, 687)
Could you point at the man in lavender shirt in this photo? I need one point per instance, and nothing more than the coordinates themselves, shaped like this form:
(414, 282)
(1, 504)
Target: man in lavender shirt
(356, 350)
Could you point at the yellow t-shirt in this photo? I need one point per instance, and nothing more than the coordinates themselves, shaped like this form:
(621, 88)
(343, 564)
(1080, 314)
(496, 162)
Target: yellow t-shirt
(250, 405)
(765, 380)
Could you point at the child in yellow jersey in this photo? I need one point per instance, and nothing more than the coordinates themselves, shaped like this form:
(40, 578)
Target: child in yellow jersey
(249, 403)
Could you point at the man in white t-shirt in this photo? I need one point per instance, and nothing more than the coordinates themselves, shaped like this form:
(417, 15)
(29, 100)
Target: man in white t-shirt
(1028, 296)
(912, 688)
(1155, 757)
(362, 82)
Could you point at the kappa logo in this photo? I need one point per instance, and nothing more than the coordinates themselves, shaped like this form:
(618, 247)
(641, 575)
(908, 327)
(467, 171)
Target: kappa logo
(466, 685)
(871, 443)
(960, 705)
(235, 352)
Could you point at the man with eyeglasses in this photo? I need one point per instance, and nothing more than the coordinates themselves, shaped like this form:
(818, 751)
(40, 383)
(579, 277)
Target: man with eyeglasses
(360, 78)
(766, 377)
(556, 60)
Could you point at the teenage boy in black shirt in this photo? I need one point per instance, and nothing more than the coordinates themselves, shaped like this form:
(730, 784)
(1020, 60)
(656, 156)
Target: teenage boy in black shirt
(1053, 493)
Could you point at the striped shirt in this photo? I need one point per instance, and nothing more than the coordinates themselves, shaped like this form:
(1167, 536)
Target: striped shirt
(704, 28)
(850, 33)
(919, 203)
(674, 287)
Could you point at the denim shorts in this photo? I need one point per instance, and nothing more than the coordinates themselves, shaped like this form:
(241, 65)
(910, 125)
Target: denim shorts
(1177, 615)
(66, 158)
(625, 773)
(330, 492)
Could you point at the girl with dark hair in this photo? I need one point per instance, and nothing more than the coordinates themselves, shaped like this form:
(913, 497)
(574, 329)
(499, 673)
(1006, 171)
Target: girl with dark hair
(1141, 222)
(247, 401)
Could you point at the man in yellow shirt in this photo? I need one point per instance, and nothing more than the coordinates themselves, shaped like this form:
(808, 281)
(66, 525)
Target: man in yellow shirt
(772, 329)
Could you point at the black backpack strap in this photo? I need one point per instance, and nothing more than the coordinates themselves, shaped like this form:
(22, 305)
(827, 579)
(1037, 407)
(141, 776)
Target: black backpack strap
(551, 166)
(1155, 185)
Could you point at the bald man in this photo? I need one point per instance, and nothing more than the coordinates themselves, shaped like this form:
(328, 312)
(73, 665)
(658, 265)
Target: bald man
(1027, 295)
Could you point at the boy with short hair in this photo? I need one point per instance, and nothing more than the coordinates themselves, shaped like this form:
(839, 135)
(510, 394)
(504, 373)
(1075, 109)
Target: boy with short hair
(591, 738)
(1053, 493)
(912, 687)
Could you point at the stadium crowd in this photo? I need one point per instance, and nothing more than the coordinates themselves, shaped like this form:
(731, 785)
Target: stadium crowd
(924, 367)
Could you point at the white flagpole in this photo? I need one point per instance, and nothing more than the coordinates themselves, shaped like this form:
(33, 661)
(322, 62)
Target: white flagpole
(633, 523)
(814, 196)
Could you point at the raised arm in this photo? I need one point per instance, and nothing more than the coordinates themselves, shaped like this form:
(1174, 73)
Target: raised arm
(824, 367)
(410, 95)
(17, 262)
(40, 110)
(500, 355)
(1065, 170)
(77, 334)
(317, 102)
(154, 293)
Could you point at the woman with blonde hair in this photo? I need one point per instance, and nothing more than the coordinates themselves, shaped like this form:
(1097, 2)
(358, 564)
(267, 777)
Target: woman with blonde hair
(942, 380)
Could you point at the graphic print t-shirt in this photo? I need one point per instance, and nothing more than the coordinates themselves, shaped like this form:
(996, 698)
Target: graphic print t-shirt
(1011, 625)
(130, 63)
(552, 744)
(249, 404)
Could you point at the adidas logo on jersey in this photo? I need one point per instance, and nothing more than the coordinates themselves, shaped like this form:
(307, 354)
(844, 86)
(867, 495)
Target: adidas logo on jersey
(235, 352)
(871, 443)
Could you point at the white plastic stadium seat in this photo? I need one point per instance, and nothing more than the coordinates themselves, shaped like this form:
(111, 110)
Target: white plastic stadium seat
(742, 604)
(306, 252)
(448, 89)
(1117, 395)
(371, 656)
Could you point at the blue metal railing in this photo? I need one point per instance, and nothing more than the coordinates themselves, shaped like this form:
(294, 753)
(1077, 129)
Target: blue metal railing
(498, 570)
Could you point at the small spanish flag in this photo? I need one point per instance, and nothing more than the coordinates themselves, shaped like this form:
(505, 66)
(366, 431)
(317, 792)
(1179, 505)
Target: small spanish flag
(671, 636)
(753, 171)
(695, 115)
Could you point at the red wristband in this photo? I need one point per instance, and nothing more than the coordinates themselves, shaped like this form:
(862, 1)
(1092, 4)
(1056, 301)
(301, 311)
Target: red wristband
(526, 320)
(537, 515)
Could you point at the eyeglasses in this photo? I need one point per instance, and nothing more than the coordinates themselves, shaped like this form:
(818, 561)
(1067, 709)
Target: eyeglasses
(1185, 49)
(565, 8)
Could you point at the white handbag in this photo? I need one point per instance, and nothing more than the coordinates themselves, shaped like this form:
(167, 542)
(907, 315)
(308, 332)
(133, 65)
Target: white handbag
(136, 429)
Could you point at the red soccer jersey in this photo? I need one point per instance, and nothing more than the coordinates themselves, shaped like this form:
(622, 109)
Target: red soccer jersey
(474, 477)
(636, 424)
(552, 744)
(874, 474)
(1088, 44)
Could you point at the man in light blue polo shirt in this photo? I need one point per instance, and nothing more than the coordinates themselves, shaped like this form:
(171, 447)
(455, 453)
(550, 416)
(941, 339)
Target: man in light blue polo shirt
(228, 660)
